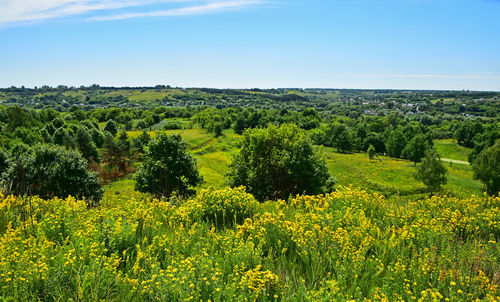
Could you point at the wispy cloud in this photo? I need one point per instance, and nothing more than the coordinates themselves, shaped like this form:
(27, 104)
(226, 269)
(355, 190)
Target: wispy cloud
(22, 11)
(479, 76)
(213, 7)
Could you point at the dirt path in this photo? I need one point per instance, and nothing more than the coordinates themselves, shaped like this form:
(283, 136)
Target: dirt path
(454, 161)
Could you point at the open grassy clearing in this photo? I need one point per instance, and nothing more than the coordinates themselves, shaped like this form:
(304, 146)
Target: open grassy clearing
(448, 148)
(383, 174)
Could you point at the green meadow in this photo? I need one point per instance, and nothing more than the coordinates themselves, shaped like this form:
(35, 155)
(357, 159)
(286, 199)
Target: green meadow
(392, 177)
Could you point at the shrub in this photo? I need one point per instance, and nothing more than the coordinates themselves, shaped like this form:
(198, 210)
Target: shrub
(224, 207)
(168, 168)
(49, 171)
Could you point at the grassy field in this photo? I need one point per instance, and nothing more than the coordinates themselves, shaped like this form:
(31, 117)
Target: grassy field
(383, 174)
(448, 148)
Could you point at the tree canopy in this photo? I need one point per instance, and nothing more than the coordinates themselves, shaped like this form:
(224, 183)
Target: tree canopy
(487, 168)
(168, 168)
(431, 171)
(48, 171)
(277, 162)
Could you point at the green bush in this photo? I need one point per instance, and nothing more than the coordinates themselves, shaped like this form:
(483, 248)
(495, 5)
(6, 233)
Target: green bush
(168, 168)
(225, 207)
(50, 171)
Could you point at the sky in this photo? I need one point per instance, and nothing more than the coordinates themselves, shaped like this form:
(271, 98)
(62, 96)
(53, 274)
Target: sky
(368, 44)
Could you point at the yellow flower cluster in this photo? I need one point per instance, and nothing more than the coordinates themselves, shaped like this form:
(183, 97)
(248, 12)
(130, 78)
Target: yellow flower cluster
(222, 245)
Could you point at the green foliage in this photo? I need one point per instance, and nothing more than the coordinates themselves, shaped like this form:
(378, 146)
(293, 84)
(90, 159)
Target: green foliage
(4, 162)
(277, 162)
(341, 138)
(85, 145)
(139, 143)
(396, 143)
(111, 127)
(168, 168)
(371, 152)
(49, 171)
(376, 140)
(431, 171)
(415, 149)
(61, 137)
(212, 120)
(487, 168)
(223, 207)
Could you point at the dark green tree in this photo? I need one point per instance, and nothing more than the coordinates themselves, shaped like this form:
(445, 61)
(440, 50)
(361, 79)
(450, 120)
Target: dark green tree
(50, 171)
(431, 171)
(86, 145)
(4, 162)
(341, 138)
(415, 149)
(111, 127)
(396, 143)
(486, 168)
(168, 168)
(376, 140)
(277, 162)
(61, 137)
(140, 142)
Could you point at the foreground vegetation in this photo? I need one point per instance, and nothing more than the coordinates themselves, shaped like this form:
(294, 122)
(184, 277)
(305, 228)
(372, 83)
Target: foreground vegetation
(224, 245)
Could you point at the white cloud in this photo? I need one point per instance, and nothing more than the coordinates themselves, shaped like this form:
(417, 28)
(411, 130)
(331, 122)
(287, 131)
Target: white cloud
(206, 8)
(21, 11)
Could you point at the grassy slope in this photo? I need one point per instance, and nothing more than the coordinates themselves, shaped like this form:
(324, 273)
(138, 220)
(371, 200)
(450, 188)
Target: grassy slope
(384, 174)
(447, 148)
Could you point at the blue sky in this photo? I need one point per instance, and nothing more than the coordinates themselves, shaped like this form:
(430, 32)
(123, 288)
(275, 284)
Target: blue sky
(398, 44)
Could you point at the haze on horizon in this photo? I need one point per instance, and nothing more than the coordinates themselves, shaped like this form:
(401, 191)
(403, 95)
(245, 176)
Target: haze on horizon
(362, 44)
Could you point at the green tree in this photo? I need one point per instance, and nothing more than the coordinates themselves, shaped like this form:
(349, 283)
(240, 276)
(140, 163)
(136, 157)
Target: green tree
(371, 152)
(168, 168)
(486, 168)
(415, 149)
(86, 145)
(60, 136)
(50, 171)
(431, 171)
(341, 138)
(111, 127)
(140, 142)
(396, 143)
(277, 162)
(4, 162)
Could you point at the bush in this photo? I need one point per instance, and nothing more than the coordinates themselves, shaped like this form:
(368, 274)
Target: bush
(277, 162)
(168, 168)
(225, 207)
(49, 171)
